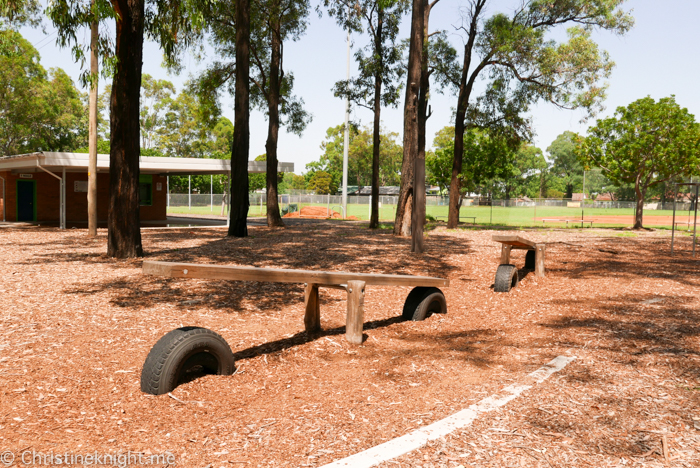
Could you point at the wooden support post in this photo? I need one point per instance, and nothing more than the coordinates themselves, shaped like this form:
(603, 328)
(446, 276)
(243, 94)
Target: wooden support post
(539, 260)
(312, 317)
(505, 254)
(356, 312)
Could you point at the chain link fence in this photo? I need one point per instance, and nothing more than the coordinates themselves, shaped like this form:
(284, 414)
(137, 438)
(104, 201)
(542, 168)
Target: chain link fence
(482, 210)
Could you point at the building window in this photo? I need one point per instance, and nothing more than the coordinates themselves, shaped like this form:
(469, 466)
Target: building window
(146, 190)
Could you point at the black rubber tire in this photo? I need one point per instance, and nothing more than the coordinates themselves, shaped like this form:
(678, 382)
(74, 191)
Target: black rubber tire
(530, 260)
(506, 278)
(181, 351)
(422, 302)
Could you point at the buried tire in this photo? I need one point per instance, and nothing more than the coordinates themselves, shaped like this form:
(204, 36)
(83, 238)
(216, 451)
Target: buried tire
(506, 278)
(183, 354)
(422, 302)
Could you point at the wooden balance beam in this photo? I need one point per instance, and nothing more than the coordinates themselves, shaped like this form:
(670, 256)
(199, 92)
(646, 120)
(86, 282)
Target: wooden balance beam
(507, 274)
(187, 348)
(353, 283)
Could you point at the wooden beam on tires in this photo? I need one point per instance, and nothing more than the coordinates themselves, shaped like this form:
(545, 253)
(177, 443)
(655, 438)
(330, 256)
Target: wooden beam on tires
(249, 273)
(312, 317)
(356, 312)
(539, 260)
(505, 254)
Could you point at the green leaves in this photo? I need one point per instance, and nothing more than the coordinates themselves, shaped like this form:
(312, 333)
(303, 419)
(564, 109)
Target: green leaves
(37, 109)
(322, 183)
(359, 156)
(71, 19)
(379, 62)
(16, 13)
(647, 140)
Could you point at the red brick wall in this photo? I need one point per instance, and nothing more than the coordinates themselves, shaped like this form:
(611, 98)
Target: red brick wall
(157, 212)
(47, 194)
(5, 176)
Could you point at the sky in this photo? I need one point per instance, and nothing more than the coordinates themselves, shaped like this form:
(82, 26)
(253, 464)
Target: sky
(658, 57)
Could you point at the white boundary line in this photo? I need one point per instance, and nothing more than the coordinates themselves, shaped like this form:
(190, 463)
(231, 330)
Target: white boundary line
(418, 438)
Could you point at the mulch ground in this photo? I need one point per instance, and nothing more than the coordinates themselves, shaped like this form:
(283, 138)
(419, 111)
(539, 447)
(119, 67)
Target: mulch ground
(76, 326)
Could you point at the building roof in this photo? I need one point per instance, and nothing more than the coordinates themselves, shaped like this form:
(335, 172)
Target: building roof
(78, 162)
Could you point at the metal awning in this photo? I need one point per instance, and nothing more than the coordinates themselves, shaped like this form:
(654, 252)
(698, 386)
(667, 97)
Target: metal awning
(78, 162)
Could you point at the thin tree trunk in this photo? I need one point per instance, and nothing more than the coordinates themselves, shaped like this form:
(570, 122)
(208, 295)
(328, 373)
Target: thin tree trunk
(273, 211)
(123, 224)
(465, 88)
(240, 203)
(374, 218)
(639, 193)
(92, 130)
(404, 208)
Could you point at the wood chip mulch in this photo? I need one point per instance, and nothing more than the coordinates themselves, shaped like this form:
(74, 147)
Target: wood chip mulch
(76, 326)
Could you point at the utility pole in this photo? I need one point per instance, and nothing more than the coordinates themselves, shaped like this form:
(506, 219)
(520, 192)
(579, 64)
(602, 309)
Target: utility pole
(92, 128)
(346, 144)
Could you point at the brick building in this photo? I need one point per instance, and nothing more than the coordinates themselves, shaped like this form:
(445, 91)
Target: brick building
(52, 187)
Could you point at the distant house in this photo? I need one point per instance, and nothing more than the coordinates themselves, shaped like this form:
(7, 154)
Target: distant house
(607, 196)
(578, 196)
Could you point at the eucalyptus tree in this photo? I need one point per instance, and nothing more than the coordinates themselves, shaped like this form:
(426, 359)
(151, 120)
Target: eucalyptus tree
(379, 65)
(156, 95)
(172, 24)
(645, 144)
(16, 13)
(565, 163)
(38, 109)
(429, 56)
(272, 23)
(523, 65)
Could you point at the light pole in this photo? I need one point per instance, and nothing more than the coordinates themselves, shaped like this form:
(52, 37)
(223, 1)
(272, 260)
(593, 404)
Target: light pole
(346, 144)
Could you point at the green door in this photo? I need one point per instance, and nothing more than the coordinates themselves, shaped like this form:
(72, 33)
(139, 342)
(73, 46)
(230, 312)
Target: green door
(26, 200)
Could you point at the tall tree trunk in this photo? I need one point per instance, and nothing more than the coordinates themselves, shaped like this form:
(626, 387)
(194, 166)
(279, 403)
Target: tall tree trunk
(123, 222)
(374, 217)
(240, 203)
(404, 208)
(639, 192)
(465, 88)
(273, 211)
(92, 128)
(418, 218)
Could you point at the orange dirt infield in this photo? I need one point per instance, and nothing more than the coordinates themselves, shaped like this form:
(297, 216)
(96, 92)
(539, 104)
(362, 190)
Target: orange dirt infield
(681, 221)
(315, 212)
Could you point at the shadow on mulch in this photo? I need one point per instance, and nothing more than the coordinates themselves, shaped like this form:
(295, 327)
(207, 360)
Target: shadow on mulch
(312, 248)
(634, 331)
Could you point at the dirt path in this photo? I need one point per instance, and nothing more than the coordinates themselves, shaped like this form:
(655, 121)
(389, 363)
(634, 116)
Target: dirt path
(75, 328)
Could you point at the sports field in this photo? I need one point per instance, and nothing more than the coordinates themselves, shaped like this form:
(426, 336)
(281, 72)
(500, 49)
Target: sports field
(497, 215)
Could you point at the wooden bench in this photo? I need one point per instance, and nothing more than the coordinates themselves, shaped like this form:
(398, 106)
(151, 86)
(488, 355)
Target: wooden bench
(473, 218)
(567, 221)
(423, 300)
(507, 274)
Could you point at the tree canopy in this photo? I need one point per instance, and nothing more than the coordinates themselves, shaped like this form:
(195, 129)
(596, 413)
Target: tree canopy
(646, 143)
(38, 109)
(525, 65)
(359, 157)
(565, 163)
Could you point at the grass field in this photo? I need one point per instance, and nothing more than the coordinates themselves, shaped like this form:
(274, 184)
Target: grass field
(485, 215)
